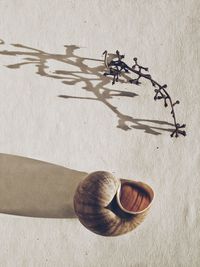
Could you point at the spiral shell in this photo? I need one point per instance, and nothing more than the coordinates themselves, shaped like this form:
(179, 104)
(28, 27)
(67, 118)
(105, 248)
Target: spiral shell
(109, 206)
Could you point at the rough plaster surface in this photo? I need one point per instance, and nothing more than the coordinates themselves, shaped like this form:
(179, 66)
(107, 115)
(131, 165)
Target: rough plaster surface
(81, 133)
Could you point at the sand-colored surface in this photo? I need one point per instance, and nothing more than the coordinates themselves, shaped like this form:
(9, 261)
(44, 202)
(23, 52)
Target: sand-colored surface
(57, 107)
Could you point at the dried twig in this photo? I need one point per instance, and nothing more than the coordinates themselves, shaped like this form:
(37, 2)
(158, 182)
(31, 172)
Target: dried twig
(116, 67)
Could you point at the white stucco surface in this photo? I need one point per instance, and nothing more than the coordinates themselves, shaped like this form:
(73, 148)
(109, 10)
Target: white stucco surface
(82, 132)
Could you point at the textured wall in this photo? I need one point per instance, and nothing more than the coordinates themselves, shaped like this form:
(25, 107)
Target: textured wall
(90, 128)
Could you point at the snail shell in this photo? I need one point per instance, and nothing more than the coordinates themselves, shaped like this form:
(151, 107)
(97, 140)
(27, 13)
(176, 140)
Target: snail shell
(109, 206)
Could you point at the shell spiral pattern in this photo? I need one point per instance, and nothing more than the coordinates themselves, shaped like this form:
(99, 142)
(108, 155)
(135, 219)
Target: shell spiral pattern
(109, 206)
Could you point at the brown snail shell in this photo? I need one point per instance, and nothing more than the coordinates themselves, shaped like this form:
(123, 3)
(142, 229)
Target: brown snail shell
(109, 206)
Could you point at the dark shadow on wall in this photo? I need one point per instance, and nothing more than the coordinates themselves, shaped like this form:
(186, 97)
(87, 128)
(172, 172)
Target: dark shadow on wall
(35, 188)
(79, 70)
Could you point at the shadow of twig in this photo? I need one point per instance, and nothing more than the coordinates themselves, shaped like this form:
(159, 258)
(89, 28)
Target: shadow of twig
(92, 77)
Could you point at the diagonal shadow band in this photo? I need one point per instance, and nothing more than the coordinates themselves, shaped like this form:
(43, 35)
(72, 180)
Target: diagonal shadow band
(35, 188)
(75, 71)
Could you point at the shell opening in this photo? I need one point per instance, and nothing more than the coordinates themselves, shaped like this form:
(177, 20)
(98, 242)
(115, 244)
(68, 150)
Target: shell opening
(134, 197)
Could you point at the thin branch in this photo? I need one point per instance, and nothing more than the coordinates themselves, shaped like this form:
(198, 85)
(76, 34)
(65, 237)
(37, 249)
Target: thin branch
(116, 67)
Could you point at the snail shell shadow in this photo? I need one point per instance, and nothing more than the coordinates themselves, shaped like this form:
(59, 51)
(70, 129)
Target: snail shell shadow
(109, 206)
(35, 188)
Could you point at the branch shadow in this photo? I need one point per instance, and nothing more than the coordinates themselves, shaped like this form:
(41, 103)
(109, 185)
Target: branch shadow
(35, 188)
(91, 79)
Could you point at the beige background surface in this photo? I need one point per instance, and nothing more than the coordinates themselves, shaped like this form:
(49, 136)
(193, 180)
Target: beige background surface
(84, 134)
